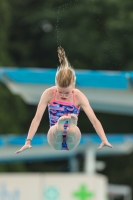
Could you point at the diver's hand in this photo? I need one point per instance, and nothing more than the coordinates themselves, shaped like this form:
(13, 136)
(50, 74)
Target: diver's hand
(106, 143)
(26, 146)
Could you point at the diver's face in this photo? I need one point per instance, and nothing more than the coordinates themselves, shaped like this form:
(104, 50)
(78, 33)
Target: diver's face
(65, 92)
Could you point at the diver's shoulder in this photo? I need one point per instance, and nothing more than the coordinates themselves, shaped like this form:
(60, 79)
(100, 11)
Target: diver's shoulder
(78, 95)
(51, 89)
(48, 93)
(77, 92)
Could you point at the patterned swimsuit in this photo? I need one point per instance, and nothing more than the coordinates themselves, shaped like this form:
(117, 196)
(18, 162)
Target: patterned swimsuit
(57, 109)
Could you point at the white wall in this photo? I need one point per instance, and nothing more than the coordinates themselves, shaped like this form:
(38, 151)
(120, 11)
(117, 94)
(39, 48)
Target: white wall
(54, 186)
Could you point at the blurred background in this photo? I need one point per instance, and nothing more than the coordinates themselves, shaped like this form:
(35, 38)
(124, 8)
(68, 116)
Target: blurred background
(96, 35)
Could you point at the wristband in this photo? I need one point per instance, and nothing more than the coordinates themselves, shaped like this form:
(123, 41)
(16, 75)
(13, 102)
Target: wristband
(28, 139)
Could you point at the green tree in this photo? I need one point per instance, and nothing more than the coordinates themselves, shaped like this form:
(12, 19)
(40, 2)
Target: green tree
(5, 22)
(96, 34)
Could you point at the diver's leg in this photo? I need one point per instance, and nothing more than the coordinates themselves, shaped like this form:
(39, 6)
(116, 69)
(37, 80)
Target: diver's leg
(55, 133)
(73, 133)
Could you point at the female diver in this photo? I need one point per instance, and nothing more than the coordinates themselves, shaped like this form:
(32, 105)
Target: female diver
(64, 102)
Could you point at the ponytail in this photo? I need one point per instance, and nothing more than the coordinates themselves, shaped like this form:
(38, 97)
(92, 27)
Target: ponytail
(65, 75)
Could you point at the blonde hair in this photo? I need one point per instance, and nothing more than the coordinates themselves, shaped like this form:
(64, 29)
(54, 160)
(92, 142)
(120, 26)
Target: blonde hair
(65, 75)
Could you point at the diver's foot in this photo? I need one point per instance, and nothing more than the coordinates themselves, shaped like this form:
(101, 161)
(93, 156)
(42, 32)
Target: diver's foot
(60, 124)
(72, 123)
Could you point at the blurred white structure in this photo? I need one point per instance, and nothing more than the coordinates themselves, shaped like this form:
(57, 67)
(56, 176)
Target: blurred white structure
(55, 186)
(119, 191)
